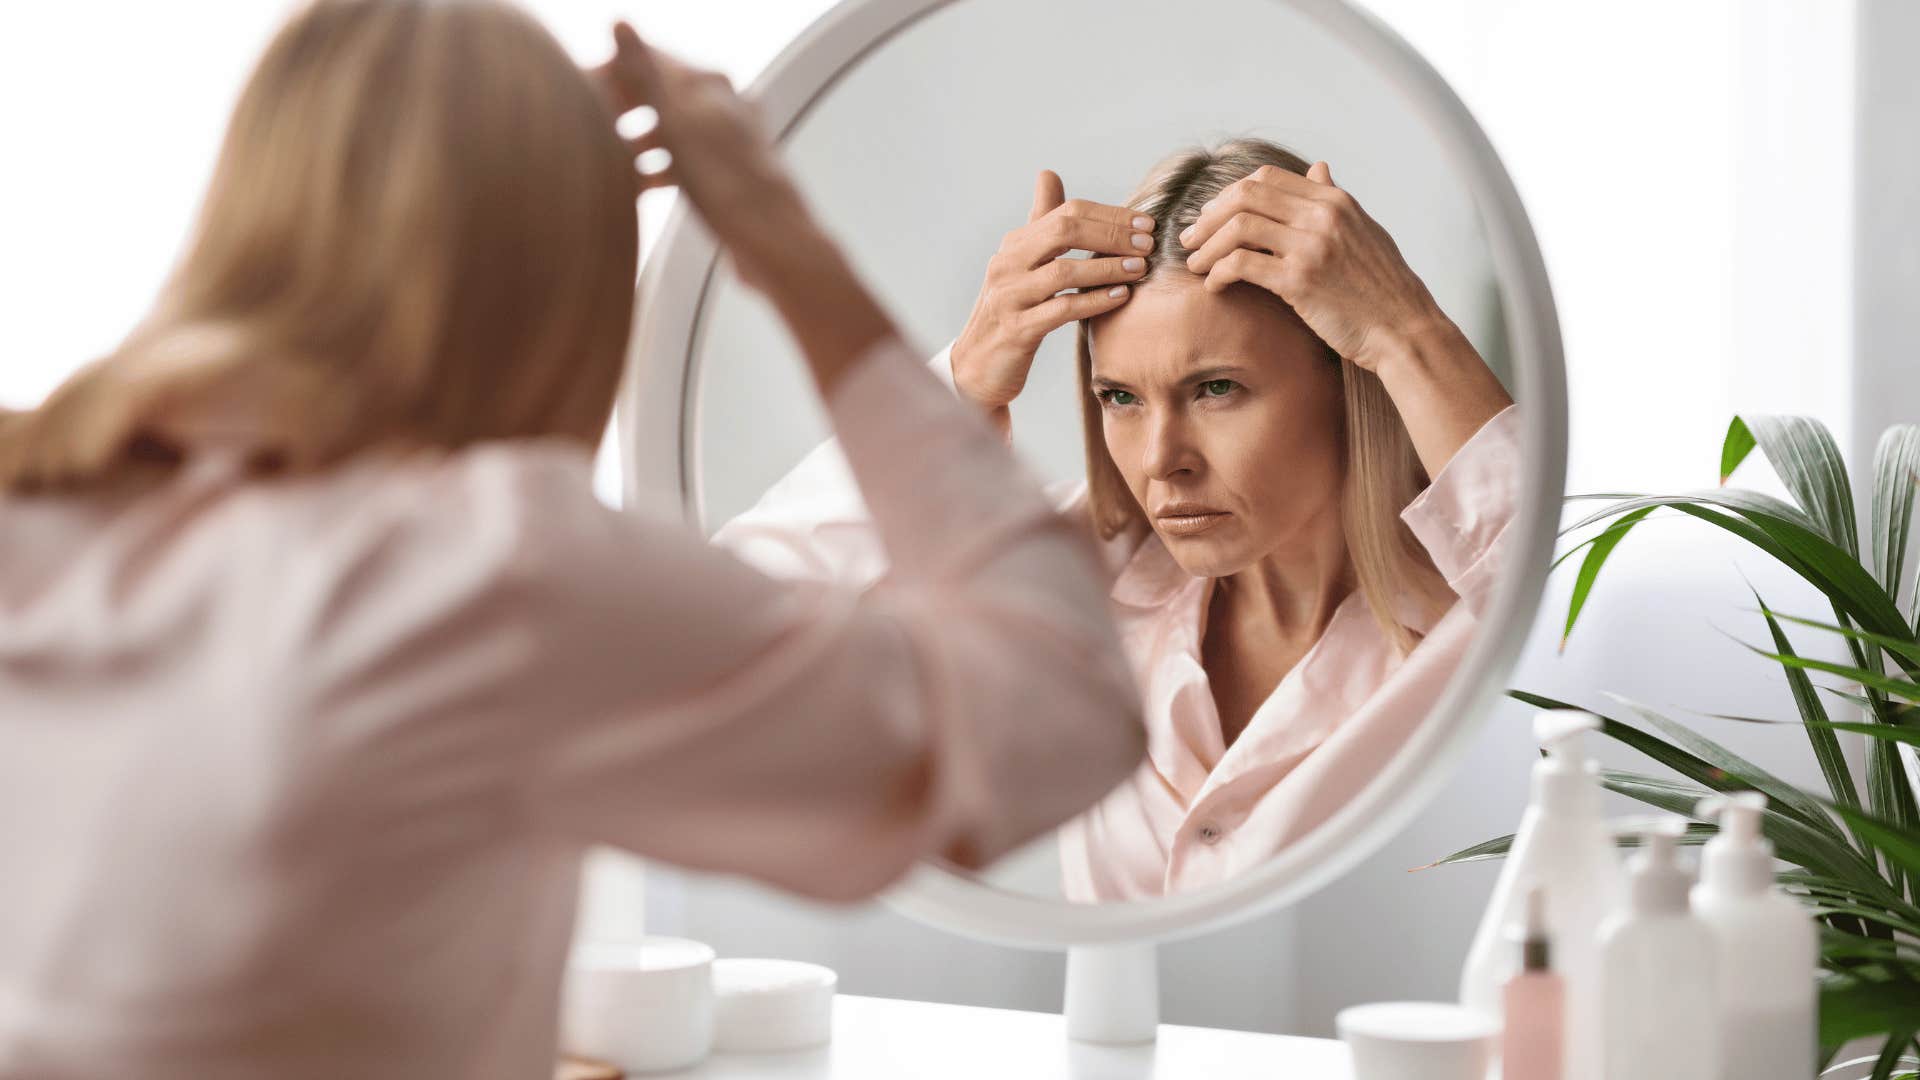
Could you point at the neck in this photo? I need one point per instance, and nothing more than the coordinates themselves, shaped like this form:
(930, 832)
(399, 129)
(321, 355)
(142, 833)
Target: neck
(1294, 590)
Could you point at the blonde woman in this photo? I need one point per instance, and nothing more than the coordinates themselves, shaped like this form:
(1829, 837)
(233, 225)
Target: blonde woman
(320, 665)
(1267, 390)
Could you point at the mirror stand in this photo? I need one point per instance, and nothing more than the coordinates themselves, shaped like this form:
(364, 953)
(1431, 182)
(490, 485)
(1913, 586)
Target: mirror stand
(1113, 993)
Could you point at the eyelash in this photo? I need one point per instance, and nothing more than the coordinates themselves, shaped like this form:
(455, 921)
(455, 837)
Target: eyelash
(1107, 394)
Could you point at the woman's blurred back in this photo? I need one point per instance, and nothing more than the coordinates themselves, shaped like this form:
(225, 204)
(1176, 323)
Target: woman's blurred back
(321, 665)
(417, 250)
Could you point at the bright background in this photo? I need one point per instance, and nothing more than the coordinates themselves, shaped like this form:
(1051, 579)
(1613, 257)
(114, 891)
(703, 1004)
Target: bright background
(1722, 190)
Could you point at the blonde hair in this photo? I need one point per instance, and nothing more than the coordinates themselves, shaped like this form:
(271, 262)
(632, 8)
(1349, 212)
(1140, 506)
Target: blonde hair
(420, 233)
(1383, 473)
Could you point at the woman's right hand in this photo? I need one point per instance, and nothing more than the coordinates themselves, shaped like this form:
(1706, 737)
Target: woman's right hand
(725, 164)
(723, 160)
(1018, 306)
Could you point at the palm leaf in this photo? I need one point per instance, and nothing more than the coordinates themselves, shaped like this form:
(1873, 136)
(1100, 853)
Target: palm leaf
(1813, 716)
(1805, 457)
(1790, 537)
(1892, 1056)
(1890, 911)
(1602, 546)
(1749, 776)
(1906, 648)
(1907, 735)
(1897, 843)
(1853, 1007)
(1735, 448)
(1896, 474)
(1890, 684)
(1696, 833)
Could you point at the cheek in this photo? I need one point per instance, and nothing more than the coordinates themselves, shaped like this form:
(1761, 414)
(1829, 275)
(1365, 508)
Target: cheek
(1280, 459)
(1123, 446)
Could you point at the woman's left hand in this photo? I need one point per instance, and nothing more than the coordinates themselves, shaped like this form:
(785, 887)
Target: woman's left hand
(1309, 243)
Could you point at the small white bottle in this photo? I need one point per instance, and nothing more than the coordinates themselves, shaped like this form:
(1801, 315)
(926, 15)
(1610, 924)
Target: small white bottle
(1657, 964)
(1768, 949)
(1565, 846)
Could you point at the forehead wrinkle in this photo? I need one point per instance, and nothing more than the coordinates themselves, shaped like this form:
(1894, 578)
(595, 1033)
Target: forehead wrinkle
(1198, 330)
(1197, 339)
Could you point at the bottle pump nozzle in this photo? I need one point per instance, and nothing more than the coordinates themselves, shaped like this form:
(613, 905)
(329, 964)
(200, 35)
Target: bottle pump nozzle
(1657, 881)
(1740, 858)
(1559, 730)
(1566, 780)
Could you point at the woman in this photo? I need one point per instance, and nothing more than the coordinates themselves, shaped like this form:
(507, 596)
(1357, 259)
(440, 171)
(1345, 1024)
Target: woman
(1267, 388)
(320, 665)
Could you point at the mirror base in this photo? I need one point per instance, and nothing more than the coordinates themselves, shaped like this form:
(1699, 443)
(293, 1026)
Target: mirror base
(1113, 993)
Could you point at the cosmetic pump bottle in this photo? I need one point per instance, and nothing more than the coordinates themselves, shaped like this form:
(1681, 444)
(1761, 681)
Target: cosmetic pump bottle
(1532, 1038)
(1565, 846)
(1768, 950)
(1657, 968)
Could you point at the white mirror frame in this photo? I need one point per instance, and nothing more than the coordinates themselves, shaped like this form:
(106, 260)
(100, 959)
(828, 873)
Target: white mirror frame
(659, 406)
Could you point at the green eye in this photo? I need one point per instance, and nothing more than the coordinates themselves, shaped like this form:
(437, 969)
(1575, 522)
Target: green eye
(1119, 397)
(1217, 387)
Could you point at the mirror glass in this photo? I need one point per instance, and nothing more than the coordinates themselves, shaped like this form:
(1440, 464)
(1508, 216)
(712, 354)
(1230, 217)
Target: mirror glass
(1289, 633)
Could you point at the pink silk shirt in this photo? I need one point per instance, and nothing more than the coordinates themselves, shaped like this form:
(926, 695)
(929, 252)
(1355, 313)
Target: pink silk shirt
(1197, 811)
(295, 775)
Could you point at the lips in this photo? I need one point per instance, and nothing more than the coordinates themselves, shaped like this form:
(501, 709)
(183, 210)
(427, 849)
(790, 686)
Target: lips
(1187, 519)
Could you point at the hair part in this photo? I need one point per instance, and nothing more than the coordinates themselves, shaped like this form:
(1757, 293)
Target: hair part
(420, 233)
(1382, 471)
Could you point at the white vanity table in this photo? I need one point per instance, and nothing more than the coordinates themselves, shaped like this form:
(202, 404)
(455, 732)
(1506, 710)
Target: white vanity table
(884, 1039)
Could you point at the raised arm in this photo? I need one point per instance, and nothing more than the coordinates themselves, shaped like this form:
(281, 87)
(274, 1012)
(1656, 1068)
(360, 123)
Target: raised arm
(818, 736)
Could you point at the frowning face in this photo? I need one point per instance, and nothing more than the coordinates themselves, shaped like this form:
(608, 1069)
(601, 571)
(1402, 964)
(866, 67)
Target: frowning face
(1225, 415)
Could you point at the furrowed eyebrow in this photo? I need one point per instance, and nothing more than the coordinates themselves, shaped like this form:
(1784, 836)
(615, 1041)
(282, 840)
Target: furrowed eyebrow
(1219, 371)
(1207, 374)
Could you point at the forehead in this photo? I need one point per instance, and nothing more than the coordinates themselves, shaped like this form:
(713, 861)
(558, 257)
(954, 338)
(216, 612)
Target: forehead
(1167, 329)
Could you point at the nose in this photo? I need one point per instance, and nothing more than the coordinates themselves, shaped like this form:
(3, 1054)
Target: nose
(1170, 450)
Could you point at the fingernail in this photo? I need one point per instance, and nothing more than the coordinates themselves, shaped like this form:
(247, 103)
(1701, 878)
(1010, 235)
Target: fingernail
(1133, 266)
(1144, 224)
(1186, 234)
(1117, 291)
(1143, 241)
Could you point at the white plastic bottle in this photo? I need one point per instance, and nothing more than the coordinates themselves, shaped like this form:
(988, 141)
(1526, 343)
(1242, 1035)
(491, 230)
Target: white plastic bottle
(1657, 965)
(1564, 846)
(1768, 949)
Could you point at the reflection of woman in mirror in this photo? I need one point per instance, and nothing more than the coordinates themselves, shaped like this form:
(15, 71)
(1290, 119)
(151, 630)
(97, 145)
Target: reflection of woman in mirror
(1268, 388)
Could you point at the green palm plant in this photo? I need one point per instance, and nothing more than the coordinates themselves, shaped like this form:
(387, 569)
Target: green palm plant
(1853, 859)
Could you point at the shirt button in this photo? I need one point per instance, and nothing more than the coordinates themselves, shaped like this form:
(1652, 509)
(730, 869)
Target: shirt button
(1209, 833)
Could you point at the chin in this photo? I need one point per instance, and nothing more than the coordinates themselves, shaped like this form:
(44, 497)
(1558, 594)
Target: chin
(1209, 556)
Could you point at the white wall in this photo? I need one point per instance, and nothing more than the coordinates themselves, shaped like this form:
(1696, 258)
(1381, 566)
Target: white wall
(1886, 217)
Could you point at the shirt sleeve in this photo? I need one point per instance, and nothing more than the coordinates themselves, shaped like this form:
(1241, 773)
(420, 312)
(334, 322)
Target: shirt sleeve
(815, 735)
(1462, 516)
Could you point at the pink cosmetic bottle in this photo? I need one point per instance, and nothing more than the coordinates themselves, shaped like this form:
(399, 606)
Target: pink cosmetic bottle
(1533, 1003)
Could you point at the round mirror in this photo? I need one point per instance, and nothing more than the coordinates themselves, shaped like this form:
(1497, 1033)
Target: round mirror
(916, 128)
